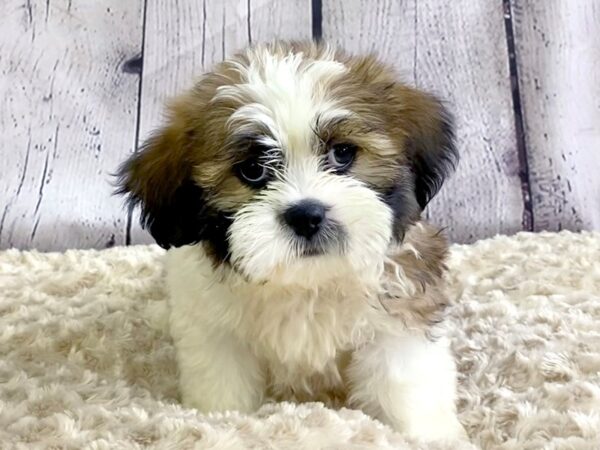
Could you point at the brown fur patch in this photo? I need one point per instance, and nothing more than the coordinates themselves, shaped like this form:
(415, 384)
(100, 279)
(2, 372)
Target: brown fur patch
(401, 122)
(417, 298)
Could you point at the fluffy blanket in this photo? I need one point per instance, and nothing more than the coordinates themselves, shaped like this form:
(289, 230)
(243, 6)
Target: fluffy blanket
(84, 365)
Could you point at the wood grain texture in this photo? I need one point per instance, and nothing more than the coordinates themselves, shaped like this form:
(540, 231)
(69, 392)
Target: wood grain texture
(384, 27)
(458, 51)
(68, 116)
(286, 20)
(558, 55)
(184, 41)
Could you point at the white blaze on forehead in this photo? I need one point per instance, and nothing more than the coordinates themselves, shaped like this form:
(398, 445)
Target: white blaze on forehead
(283, 94)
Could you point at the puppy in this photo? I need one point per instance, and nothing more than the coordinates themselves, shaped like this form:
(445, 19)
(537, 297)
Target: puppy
(289, 184)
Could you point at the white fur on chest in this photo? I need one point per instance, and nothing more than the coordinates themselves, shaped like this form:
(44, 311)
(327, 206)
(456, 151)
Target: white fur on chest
(303, 329)
(295, 332)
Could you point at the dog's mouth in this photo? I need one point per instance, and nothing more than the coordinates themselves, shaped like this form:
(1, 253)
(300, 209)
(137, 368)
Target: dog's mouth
(308, 252)
(331, 240)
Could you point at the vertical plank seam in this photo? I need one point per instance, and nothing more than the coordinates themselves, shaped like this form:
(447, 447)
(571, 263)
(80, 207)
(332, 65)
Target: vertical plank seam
(223, 34)
(249, 22)
(203, 34)
(139, 116)
(416, 49)
(521, 144)
(317, 19)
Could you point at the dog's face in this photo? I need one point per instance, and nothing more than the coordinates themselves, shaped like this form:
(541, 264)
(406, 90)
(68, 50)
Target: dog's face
(292, 163)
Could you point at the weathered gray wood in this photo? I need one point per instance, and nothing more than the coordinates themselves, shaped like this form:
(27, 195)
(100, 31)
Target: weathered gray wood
(68, 117)
(458, 50)
(286, 20)
(386, 28)
(558, 54)
(182, 42)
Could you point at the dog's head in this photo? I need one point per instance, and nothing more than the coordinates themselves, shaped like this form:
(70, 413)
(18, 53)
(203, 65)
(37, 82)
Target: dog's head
(292, 162)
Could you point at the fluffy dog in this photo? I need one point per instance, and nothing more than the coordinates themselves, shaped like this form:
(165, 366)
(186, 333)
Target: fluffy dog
(289, 183)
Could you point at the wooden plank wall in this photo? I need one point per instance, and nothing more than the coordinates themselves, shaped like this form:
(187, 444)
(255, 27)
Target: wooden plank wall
(68, 117)
(85, 82)
(558, 55)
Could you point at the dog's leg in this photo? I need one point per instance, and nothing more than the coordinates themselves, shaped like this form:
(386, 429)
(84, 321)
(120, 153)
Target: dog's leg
(216, 372)
(408, 382)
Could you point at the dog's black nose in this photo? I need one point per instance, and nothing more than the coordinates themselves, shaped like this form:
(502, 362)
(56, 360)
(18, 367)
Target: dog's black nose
(305, 217)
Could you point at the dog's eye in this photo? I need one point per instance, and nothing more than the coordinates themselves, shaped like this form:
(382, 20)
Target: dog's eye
(341, 156)
(252, 172)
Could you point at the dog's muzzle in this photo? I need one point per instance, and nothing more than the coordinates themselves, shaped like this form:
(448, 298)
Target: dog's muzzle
(313, 231)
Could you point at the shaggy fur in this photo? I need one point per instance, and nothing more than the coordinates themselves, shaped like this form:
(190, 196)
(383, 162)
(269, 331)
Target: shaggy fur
(84, 362)
(286, 105)
(290, 181)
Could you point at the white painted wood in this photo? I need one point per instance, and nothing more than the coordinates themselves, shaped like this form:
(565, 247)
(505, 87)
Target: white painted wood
(458, 50)
(183, 41)
(384, 27)
(68, 117)
(558, 54)
(276, 19)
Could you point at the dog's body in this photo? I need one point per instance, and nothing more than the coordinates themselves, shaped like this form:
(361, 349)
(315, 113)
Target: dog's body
(293, 177)
(348, 339)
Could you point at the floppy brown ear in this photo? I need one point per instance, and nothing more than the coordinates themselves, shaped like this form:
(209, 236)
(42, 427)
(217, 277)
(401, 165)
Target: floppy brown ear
(430, 144)
(158, 179)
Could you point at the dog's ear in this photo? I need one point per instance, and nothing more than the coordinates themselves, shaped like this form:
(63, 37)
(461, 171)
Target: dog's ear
(158, 179)
(430, 144)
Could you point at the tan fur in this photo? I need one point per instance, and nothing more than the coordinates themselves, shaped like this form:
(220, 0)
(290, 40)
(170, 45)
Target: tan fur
(417, 298)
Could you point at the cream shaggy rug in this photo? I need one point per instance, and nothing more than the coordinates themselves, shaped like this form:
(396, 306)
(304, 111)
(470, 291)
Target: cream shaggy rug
(84, 365)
